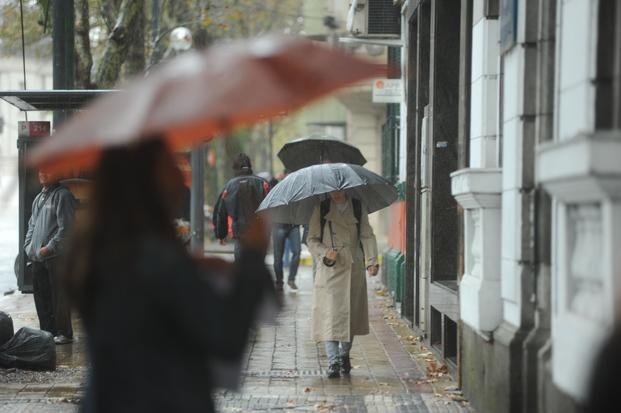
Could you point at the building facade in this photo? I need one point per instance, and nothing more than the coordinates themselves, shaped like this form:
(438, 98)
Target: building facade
(509, 140)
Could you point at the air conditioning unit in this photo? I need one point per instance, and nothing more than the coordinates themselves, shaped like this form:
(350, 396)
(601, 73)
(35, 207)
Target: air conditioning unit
(374, 19)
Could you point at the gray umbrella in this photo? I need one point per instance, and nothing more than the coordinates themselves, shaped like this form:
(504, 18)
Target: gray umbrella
(294, 198)
(315, 149)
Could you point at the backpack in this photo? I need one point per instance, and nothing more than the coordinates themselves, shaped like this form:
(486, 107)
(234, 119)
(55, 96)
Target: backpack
(324, 208)
(239, 200)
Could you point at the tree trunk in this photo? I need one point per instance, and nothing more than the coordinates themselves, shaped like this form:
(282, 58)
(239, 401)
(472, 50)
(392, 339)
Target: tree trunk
(136, 60)
(84, 57)
(109, 67)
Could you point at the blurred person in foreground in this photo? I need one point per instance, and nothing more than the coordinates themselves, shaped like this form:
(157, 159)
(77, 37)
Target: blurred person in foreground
(342, 241)
(603, 387)
(155, 317)
(53, 214)
(239, 201)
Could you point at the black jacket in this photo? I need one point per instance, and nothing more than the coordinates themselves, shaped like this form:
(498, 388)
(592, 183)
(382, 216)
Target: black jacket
(154, 324)
(239, 200)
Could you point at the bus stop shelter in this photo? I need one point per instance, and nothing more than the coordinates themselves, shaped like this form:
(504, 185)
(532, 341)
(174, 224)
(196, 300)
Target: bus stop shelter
(29, 134)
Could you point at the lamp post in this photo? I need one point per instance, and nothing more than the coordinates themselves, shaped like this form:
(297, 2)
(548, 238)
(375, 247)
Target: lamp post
(181, 41)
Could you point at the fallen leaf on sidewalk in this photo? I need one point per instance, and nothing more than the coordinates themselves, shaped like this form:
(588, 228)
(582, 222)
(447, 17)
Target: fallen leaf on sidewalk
(307, 390)
(291, 403)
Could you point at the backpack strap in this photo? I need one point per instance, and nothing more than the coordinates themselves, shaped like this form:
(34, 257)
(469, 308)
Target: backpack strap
(324, 208)
(357, 205)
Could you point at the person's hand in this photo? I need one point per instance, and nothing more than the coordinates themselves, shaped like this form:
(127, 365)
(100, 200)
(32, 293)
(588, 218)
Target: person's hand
(44, 252)
(330, 258)
(331, 254)
(373, 269)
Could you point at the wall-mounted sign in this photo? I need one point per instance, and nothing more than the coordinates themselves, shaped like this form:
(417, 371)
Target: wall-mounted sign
(387, 91)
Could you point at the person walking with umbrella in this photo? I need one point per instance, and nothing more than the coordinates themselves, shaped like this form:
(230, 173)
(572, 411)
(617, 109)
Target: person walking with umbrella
(335, 200)
(343, 242)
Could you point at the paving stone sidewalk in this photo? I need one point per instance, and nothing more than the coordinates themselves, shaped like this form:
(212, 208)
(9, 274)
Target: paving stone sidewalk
(392, 372)
(283, 369)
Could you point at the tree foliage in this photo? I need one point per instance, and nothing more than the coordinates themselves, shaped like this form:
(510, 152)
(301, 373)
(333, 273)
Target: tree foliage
(116, 38)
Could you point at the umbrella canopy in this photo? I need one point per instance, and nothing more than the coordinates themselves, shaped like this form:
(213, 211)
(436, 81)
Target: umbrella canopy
(292, 201)
(201, 94)
(315, 149)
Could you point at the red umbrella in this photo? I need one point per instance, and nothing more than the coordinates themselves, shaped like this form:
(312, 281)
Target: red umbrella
(200, 95)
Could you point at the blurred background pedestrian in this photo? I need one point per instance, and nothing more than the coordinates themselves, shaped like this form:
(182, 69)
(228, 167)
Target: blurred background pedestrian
(238, 201)
(287, 246)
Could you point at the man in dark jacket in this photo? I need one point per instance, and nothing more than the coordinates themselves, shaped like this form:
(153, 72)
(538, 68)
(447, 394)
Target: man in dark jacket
(53, 212)
(239, 200)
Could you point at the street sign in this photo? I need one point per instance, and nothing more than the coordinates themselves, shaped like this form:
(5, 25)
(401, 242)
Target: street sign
(33, 129)
(387, 91)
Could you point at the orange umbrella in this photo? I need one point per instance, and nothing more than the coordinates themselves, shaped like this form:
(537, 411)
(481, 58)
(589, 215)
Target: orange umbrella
(199, 95)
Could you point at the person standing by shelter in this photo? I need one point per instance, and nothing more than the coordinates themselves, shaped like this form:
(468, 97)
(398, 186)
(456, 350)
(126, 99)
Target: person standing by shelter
(53, 212)
(342, 241)
(239, 200)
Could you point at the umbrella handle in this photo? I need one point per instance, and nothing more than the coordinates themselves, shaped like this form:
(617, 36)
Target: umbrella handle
(331, 234)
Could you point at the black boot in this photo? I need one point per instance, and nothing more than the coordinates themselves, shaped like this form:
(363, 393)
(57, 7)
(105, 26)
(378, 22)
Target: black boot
(334, 371)
(345, 365)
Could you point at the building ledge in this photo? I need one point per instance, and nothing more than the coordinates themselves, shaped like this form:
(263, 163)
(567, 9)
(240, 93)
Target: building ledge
(477, 187)
(583, 169)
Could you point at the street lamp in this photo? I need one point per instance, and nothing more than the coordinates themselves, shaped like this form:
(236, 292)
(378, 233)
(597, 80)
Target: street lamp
(181, 39)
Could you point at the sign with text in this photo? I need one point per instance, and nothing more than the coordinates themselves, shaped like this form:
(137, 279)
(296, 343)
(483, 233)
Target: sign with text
(33, 129)
(387, 91)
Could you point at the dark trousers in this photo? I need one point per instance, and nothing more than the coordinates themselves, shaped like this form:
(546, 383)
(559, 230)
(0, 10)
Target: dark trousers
(52, 307)
(280, 234)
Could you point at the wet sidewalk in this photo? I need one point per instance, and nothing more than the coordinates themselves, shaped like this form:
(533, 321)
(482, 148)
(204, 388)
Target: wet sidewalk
(283, 369)
(392, 372)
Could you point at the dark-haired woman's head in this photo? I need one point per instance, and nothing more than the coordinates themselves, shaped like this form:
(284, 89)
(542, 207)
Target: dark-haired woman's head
(136, 191)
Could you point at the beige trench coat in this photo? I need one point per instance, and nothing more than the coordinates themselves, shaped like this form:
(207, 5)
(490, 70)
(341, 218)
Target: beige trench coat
(340, 308)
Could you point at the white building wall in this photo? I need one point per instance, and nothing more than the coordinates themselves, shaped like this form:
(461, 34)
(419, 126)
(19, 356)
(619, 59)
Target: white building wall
(514, 126)
(576, 60)
(484, 94)
(584, 215)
